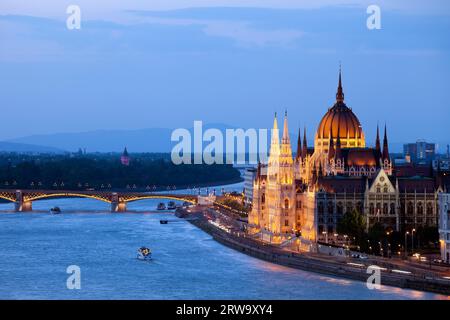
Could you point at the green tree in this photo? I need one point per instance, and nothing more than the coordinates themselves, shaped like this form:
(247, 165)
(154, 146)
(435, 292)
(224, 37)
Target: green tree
(353, 225)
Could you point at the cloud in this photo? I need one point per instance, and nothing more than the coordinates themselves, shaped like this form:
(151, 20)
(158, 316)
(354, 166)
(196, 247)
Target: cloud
(243, 33)
(113, 9)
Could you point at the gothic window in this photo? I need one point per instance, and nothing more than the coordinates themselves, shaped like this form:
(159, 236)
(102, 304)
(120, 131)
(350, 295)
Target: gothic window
(359, 207)
(286, 203)
(263, 198)
(378, 210)
(429, 208)
(320, 207)
(392, 208)
(330, 207)
(330, 229)
(340, 208)
(385, 208)
(385, 190)
(371, 209)
(419, 208)
(410, 209)
(286, 223)
(299, 204)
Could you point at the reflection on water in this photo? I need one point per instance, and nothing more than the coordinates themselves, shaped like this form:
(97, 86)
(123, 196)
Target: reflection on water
(36, 248)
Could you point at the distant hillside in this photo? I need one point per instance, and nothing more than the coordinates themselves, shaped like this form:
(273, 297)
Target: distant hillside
(25, 148)
(140, 140)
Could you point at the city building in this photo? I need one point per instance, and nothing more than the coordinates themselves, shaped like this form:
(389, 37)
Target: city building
(419, 152)
(309, 194)
(444, 226)
(125, 158)
(249, 177)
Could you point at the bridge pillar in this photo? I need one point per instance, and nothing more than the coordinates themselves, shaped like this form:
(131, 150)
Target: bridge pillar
(117, 205)
(20, 205)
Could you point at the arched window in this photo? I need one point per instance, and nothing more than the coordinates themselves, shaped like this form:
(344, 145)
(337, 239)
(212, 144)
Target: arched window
(410, 208)
(320, 207)
(371, 209)
(392, 208)
(263, 198)
(330, 207)
(419, 208)
(340, 208)
(385, 208)
(286, 203)
(429, 208)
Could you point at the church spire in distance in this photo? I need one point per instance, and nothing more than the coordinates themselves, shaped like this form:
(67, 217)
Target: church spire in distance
(340, 91)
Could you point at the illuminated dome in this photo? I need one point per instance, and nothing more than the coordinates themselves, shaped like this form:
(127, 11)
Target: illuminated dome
(341, 118)
(341, 122)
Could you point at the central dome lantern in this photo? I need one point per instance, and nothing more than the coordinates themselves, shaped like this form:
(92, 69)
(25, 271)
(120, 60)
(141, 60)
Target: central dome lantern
(339, 121)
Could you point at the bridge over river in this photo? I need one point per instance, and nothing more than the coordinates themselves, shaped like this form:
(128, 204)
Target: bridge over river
(23, 199)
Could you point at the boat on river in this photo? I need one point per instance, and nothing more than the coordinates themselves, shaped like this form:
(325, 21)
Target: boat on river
(144, 253)
(55, 210)
(161, 206)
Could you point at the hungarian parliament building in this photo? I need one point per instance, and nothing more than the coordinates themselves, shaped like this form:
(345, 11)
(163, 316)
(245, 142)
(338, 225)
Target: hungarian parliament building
(310, 193)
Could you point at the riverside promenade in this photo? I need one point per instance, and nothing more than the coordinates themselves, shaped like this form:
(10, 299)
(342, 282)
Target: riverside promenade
(392, 273)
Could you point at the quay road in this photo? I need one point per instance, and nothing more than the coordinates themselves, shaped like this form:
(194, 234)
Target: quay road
(225, 228)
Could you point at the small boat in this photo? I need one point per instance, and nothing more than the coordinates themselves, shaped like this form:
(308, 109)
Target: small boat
(55, 210)
(171, 205)
(144, 253)
(163, 221)
(161, 206)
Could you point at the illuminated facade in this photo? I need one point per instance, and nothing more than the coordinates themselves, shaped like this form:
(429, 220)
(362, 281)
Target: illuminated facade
(308, 195)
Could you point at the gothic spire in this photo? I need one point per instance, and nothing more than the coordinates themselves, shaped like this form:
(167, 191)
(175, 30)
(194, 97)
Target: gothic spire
(286, 150)
(275, 141)
(385, 145)
(305, 145)
(299, 145)
(377, 142)
(285, 138)
(340, 91)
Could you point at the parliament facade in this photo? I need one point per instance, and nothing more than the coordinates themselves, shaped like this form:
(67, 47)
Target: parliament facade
(308, 194)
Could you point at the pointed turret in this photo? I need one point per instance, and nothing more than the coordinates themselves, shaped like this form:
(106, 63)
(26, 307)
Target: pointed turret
(275, 141)
(377, 142)
(305, 145)
(385, 145)
(340, 91)
(299, 146)
(286, 150)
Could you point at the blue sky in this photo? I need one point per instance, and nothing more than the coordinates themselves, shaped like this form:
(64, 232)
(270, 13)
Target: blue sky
(167, 63)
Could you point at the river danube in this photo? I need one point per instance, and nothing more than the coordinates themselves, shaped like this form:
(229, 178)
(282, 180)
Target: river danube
(36, 249)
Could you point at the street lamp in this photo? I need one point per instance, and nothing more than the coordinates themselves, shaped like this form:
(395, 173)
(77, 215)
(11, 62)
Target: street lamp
(326, 236)
(412, 240)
